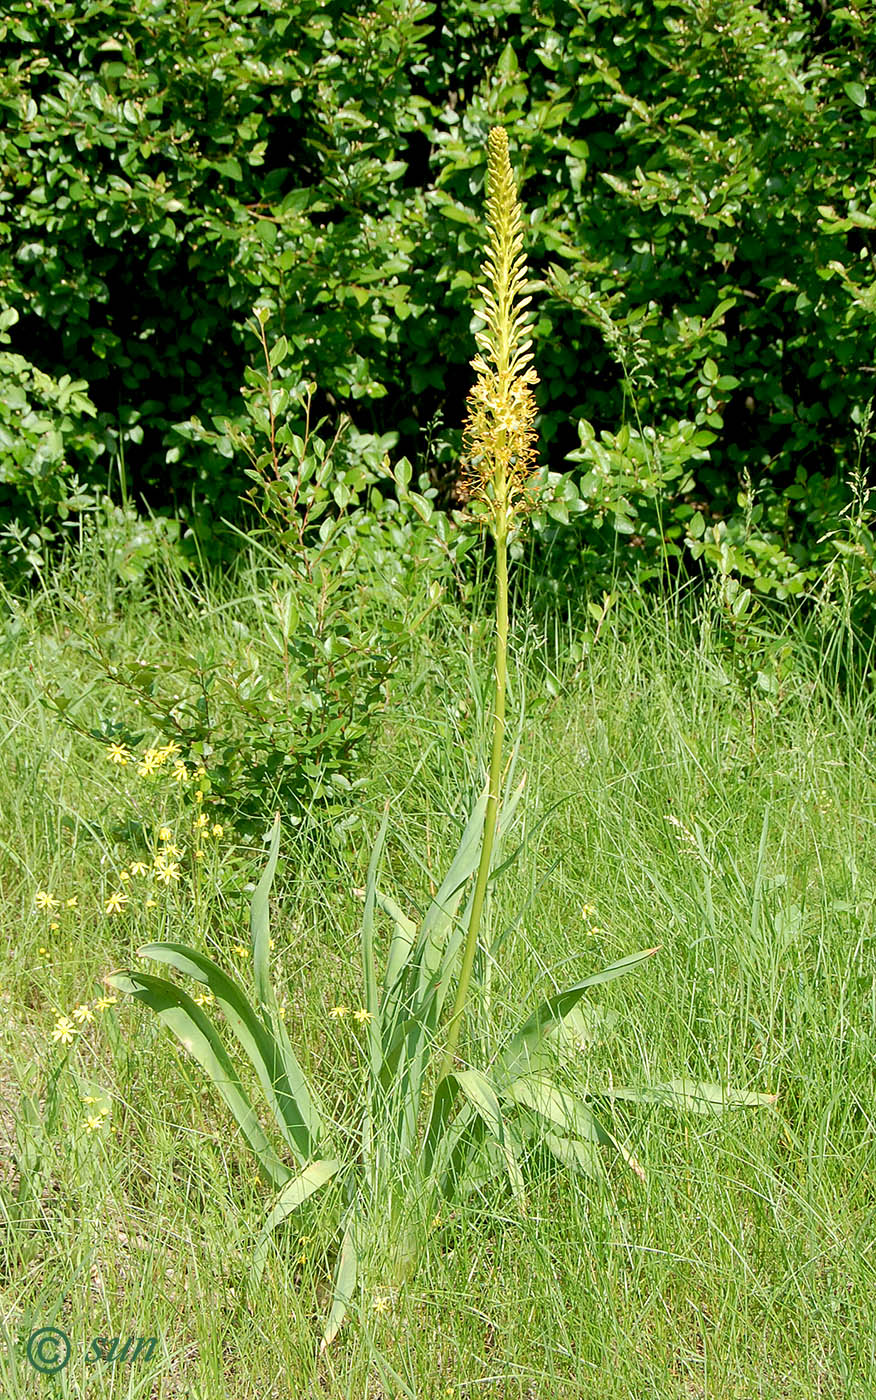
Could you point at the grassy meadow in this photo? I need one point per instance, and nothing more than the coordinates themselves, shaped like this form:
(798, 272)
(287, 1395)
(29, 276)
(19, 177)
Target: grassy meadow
(664, 806)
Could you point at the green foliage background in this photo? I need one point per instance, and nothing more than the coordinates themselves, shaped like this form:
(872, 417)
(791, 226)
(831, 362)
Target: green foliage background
(699, 183)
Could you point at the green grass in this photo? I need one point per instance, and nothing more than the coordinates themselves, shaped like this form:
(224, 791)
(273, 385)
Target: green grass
(742, 1268)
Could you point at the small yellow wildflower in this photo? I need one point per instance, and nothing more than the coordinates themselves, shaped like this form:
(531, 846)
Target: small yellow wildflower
(337, 1012)
(169, 750)
(199, 796)
(201, 772)
(117, 753)
(150, 904)
(64, 1030)
(43, 900)
(103, 1002)
(218, 830)
(53, 927)
(282, 1013)
(71, 902)
(205, 999)
(148, 764)
(83, 1013)
(180, 773)
(168, 873)
(380, 1304)
(116, 902)
(43, 952)
(139, 867)
(124, 875)
(92, 1122)
(587, 911)
(202, 819)
(362, 1015)
(240, 951)
(165, 833)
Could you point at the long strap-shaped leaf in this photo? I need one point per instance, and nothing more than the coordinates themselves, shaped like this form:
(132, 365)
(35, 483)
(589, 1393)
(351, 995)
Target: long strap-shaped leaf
(288, 1095)
(346, 1273)
(692, 1096)
(483, 1099)
(260, 921)
(514, 1059)
(562, 1109)
(293, 1195)
(198, 1036)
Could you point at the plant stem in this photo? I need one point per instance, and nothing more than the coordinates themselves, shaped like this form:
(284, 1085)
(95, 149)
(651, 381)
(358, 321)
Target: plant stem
(500, 534)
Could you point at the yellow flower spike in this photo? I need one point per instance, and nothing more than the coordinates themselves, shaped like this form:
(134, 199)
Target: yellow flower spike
(499, 438)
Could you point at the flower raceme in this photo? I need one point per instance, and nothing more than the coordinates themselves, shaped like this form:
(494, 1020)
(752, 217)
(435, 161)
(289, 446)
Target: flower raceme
(499, 437)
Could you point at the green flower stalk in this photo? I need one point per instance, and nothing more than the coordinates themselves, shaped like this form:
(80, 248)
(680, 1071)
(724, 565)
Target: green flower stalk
(499, 456)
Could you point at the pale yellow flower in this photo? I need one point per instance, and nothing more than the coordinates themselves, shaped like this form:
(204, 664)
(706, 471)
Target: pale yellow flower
(168, 873)
(71, 902)
(218, 830)
(124, 875)
(337, 1012)
(64, 1031)
(165, 833)
(53, 927)
(240, 951)
(83, 1013)
(43, 900)
(202, 819)
(103, 1002)
(116, 902)
(139, 867)
(117, 753)
(150, 904)
(92, 1122)
(170, 749)
(380, 1303)
(180, 773)
(362, 1015)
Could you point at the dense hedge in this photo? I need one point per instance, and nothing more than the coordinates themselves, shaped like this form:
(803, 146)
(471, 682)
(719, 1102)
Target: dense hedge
(699, 182)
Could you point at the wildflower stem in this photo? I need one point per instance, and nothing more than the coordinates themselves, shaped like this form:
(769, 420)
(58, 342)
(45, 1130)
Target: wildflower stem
(500, 534)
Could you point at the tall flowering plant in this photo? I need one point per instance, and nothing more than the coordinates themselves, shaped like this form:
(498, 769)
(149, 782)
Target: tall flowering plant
(423, 1129)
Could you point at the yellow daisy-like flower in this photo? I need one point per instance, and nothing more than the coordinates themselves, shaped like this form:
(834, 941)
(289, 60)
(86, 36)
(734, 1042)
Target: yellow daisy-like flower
(149, 764)
(168, 873)
(218, 830)
(180, 773)
(71, 902)
(139, 867)
(202, 819)
(92, 1122)
(117, 753)
(282, 1013)
(64, 1031)
(124, 875)
(338, 1012)
(102, 1003)
(240, 951)
(169, 750)
(380, 1304)
(83, 1013)
(165, 833)
(116, 902)
(362, 1015)
(205, 999)
(43, 900)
